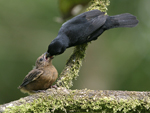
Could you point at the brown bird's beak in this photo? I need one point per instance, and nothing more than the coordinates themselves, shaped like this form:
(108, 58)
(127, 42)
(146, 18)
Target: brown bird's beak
(47, 55)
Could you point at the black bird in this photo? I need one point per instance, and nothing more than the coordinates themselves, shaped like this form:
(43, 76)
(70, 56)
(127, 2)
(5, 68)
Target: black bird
(86, 27)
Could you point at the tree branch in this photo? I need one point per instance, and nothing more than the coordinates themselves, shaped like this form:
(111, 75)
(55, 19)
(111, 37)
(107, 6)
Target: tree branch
(66, 100)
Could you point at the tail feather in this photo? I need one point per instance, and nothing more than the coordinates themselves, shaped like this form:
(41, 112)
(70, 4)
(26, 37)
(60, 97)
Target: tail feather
(122, 20)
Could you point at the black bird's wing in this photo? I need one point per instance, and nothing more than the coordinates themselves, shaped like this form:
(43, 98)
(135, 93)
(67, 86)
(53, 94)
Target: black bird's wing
(80, 27)
(95, 19)
(80, 19)
(32, 75)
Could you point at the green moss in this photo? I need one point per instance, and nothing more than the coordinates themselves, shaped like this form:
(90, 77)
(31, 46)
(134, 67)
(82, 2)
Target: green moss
(81, 101)
(99, 4)
(84, 100)
(72, 67)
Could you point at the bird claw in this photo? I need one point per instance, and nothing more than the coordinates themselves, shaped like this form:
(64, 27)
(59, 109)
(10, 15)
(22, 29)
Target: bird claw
(38, 91)
(54, 86)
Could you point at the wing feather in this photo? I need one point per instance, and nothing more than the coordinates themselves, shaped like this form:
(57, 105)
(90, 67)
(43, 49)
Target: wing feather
(32, 75)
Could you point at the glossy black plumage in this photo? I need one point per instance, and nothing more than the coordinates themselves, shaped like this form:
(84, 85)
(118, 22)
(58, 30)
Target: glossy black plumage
(86, 27)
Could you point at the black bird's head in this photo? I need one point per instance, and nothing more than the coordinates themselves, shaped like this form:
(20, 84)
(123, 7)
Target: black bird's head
(55, 48)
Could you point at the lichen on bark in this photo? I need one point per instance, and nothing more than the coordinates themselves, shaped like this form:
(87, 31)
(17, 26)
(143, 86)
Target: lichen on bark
(65, 101)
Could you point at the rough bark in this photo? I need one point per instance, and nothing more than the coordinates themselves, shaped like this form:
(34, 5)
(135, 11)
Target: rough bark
(66, 100)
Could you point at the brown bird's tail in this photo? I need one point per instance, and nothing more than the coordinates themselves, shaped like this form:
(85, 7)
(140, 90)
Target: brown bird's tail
(122, 20)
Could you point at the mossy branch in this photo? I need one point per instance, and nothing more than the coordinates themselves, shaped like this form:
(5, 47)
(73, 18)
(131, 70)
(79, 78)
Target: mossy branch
(72, 67)
(74, 63)
(65, 100)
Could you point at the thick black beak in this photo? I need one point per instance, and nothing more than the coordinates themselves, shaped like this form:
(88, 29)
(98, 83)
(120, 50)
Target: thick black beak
(47, 55)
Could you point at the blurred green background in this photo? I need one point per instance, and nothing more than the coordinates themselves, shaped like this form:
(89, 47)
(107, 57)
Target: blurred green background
(118, 60)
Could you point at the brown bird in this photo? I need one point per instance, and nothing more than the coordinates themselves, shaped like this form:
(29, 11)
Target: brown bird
(41, 77)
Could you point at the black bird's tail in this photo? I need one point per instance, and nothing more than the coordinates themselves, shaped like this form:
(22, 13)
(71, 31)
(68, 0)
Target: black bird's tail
(122, 20)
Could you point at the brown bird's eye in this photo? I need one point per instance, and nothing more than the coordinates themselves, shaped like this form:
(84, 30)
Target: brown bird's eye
(41, 59)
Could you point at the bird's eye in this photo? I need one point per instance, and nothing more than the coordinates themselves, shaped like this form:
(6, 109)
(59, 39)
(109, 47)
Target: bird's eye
(41, 59)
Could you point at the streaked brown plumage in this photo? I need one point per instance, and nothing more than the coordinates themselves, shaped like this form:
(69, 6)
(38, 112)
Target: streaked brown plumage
(41, 77)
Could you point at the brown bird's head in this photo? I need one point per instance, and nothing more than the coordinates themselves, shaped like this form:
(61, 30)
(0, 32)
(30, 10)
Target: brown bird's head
(42, 61)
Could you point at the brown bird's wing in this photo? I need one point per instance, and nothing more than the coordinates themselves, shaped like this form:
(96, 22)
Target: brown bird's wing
(32, 75)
